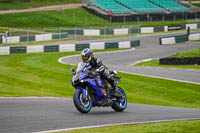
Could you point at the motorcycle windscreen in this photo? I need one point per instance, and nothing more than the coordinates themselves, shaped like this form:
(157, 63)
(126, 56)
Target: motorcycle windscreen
(80, 68)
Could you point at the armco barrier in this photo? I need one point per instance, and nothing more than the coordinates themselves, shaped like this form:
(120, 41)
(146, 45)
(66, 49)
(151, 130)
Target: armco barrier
(167, 40)
(4, 50)
(180, 61)
(147, 30)
(179, 39)
(134, 30)
(192, 26)
(198, 26)
(125, 44)
(97, 45)
(40, 37)
(183, 38)
(135, 43)
(194, 37)
(93, 32)
(51, 48)
(111, 45)
(159, 29)
(121, 31)
(68, 47)
(35, 49)
(80, 47)
(97, 32)
(27, 38)
(14, 39)
(108, 31)
(59, 36)
(14, 50)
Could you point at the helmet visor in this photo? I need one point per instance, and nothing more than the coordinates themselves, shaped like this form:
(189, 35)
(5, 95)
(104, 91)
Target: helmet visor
(85, 58)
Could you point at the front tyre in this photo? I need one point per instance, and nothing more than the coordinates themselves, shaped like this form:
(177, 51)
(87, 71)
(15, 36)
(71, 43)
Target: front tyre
(121, 103)
(83, 107)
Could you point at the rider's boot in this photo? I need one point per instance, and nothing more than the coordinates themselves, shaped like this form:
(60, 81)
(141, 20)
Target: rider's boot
(114, 93)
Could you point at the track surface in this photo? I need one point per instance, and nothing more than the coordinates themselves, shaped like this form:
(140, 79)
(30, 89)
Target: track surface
(22, 115)
(149, 49)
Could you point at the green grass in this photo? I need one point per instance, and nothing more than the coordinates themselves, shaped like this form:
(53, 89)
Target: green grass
(164, 127)
(197, 5)
(190, 53)
(42, 75)
(23, 4)
(68, 18)
(155, 63)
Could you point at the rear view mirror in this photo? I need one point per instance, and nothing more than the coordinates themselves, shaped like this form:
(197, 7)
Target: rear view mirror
(72, 69)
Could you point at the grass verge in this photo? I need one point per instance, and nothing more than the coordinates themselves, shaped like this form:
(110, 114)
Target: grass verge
(164, 127)
(68, 18)
(42, 75)
(190, 53)
(24, 4)
(155, 63)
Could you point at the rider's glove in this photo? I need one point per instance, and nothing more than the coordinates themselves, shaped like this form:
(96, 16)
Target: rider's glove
(97, 70)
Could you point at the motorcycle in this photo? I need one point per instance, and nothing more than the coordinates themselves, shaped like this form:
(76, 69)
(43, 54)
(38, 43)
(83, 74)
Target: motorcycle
(93, 91)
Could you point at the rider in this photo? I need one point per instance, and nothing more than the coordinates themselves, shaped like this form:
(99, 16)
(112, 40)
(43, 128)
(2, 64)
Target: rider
(97, 65)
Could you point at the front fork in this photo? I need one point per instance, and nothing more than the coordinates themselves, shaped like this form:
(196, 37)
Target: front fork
(84, 92)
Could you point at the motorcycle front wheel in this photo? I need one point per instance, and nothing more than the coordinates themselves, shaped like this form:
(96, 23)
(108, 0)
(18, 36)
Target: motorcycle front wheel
(121, 103)
(83, 107)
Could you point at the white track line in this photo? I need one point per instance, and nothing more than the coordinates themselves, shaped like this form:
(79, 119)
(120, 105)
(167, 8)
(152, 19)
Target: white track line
(161, 77)
(108, 52)
(117, 124)
(60, 60)
(140, 61)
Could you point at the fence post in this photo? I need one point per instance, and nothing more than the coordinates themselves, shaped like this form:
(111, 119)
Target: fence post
(10, 32)
(27, 35)
(6, 37)
(75, 32)
(59, 33)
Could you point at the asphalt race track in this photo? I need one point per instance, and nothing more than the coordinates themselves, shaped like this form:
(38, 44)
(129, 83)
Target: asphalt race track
(149, 48)
(22, 115)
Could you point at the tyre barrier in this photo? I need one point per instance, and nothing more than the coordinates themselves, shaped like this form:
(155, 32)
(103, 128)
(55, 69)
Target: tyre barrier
(179, 39)
(180, 61)
(68, 47)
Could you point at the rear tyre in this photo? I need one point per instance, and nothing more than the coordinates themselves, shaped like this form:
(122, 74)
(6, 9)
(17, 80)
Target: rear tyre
(121, 103)
(83, 107)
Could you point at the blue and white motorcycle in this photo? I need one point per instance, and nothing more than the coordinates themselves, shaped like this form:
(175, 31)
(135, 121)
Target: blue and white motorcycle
(92, 91)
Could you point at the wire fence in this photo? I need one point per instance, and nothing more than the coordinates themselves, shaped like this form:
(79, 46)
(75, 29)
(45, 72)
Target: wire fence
(62, 35)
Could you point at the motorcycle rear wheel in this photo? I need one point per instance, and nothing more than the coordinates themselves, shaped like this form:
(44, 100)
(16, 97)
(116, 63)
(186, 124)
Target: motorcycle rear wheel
(78, 102)
(120, 104)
